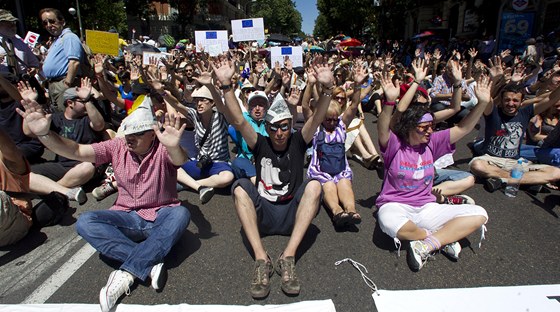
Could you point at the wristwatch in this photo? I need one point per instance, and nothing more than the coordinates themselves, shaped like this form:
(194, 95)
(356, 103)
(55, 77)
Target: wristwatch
(225, 87)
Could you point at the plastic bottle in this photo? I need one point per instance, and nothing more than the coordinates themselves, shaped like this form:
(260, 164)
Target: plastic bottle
(514, 178)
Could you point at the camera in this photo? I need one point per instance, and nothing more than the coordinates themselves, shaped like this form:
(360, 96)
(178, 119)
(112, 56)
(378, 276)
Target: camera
(204, 162)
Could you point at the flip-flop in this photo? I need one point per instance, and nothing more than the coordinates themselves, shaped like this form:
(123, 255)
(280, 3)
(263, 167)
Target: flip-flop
(342, 219)
(355, 218)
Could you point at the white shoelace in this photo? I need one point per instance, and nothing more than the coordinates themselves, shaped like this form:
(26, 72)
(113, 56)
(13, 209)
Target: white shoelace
(361, 268)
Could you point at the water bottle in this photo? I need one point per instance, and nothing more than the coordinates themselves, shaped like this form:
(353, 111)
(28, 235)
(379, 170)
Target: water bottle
(514, 179)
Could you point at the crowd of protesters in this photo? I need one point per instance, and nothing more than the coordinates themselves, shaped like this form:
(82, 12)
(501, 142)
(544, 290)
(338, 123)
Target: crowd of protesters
(148, 131)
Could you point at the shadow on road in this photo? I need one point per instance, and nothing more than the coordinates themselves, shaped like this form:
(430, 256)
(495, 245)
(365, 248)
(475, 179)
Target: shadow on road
(34, 239)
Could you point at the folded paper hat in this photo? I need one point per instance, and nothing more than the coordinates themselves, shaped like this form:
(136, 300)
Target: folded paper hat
(202, 92)
(278, 110)
(140, 120)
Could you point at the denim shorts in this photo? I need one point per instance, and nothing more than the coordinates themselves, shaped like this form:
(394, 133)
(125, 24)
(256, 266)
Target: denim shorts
(213, 169)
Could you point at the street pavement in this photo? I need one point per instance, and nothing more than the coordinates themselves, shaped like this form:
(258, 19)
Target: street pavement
(212, 263)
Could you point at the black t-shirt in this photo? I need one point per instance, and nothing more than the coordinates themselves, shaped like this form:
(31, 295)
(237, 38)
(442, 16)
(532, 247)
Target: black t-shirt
(504, 134)
(12, 123)
(279, 174)
(77, 130)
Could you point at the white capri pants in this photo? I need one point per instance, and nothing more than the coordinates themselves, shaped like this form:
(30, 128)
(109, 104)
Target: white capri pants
(431, 216)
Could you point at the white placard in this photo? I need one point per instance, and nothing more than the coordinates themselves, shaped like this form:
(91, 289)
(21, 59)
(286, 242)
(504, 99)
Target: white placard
(209, 39)
(247, 29)
(31, 39)
(293, 53)
(147, 55)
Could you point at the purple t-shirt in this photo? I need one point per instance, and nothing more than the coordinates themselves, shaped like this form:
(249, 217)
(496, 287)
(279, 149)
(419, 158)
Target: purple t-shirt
(409, 170)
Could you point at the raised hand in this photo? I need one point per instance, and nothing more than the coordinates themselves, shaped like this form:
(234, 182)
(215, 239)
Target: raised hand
(223, 70)
(455, 69)
(437, 54)
(391, 91)
(323, 72)
(37, 121)
(417, 53)
(172, 130)
(473, 53)
(359, 73)
(98, 62)
(496, 69)
(483, 88)
(84, 91)
(518, 74)
(286, 77)
(288, 63)
(293, 99)
(310, 76)
(420, 67)
(505, 53)
(26, 91)
(134, 73)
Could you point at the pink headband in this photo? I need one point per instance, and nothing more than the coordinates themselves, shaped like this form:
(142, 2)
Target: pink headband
(426, 118)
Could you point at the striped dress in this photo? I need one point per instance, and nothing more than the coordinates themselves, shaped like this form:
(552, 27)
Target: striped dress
(314, 170)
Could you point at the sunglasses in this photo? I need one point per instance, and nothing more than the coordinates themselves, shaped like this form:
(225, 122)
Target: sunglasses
(49, 21)
(424, 129)
(340, 98)
(274, 127)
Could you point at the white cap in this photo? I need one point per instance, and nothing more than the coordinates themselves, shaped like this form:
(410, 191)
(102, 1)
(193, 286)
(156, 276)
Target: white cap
(278, 110)
(141, 119)
(203, 92)
(257, 95)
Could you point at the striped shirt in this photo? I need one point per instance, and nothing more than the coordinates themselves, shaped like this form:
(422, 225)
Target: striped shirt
(216, 144)
(444, 85)
(144, 185)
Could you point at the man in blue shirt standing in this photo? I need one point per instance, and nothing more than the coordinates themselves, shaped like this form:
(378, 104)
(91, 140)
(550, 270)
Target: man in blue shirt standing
(62, 64)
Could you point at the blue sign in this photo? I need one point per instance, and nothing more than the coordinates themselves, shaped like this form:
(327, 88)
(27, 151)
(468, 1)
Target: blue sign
(515, 29)
(211, 35)
(247, 23)
(286, 51)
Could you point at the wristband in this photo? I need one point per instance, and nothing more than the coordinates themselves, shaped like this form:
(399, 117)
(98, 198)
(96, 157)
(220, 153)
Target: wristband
(390, 103)
(225, 87)
(458, 86)
(417, 82)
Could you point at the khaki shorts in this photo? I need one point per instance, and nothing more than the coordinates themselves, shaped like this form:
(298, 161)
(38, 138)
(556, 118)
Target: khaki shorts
(507, 163)
(14, 225)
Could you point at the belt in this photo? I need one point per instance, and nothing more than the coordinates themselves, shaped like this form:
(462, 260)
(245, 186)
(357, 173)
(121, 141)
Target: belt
(56, 79)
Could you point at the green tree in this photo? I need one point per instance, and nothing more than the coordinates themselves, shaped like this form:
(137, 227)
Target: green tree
(343, 16)
(280, 16)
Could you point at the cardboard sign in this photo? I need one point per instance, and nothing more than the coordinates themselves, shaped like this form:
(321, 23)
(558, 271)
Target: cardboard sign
(147, 55)
(31, 39)
(278, 54)
(103, 42)
(212, 41)
(247, 29)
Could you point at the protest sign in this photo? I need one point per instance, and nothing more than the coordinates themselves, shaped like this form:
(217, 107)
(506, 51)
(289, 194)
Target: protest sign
(103, 42)
(147, 55)
(212, 41)
(31, 39)
(277, 54)
(247, 29)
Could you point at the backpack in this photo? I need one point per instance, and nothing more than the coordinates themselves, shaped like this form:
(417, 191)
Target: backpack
(331, 156)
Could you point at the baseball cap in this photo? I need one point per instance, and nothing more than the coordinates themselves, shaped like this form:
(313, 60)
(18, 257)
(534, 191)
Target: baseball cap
(257, 95)
(6, 16)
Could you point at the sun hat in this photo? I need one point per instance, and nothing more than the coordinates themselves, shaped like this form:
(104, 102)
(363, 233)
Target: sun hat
(203, 92)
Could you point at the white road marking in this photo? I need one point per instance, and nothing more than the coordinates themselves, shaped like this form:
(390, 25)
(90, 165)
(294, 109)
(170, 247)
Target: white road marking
(55, 281)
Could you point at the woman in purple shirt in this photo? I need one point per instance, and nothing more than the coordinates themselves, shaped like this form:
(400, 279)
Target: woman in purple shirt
(407, 207)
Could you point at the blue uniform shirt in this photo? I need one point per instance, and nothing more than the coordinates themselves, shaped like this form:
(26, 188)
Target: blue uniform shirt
(66, 47)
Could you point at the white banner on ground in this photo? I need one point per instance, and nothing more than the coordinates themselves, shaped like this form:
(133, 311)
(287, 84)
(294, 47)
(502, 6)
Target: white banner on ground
(304, 306)
(277, 54)
(247, 29)
(539, 298)
(210, 40)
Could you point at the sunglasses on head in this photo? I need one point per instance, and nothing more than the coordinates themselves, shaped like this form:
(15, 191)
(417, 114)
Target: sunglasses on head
(49, 21)
(424, 128)
(274, 127)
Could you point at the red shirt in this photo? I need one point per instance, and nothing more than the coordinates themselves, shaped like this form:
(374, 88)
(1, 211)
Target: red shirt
(144, 185)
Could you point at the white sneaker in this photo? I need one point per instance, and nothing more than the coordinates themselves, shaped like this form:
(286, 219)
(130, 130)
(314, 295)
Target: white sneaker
(158, 274)
(118, 284)
(77, 194)
(452, 250)
(205, 194)
(104, 190)
(417, 255)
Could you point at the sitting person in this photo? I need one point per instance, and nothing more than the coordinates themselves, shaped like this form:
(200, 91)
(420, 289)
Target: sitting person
(335, 174)
(407, 209)
(80, 121)
(147, 219)
(280, 202)
(506, 124)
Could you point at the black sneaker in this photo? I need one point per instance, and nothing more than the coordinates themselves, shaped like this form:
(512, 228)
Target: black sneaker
(493, 184)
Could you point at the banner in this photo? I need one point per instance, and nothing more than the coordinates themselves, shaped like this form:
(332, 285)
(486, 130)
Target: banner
(515, 29)
(147, 55)
(212, 41)
(247, 29)
(103, 42)
(278, 54)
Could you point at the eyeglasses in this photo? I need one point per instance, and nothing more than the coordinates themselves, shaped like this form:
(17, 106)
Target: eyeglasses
(424, 128)
(274, 127)
(189, 70)
(49, 21)
(340, 98)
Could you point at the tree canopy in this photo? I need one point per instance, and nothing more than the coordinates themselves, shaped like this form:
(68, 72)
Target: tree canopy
(280, 16)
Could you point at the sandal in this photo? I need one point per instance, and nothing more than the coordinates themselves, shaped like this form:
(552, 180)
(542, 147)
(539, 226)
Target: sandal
(355, 218)
(372, 162)
(341, 219)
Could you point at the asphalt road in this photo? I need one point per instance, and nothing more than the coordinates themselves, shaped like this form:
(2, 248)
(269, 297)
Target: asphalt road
(212, 264)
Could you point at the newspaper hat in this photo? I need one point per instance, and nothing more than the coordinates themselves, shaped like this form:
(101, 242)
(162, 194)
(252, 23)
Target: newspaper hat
(278, 110)
(6, 16)
(203, 92)
(140, 120)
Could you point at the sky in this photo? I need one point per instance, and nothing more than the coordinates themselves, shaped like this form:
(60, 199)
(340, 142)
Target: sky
(308, 10)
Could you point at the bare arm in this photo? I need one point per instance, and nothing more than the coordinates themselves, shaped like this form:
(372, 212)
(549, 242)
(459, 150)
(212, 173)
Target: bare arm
(170, 138)
(72, 71)
(456, 98)
(384, 119)
(11, 155)
(553, 98)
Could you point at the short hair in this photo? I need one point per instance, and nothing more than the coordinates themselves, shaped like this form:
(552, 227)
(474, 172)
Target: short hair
(513, 88)
(409, 120)
(56, 12)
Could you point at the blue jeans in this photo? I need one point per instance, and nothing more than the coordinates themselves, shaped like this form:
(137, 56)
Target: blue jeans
(126, 237)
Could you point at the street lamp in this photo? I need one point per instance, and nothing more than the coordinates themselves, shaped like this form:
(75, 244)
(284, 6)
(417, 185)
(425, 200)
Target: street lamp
(73, 12)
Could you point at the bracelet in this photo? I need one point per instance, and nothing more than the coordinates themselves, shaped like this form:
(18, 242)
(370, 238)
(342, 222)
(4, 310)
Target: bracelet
(225, 87)
(327, 94)
(390, 103)
(458, 86)
(417, 82)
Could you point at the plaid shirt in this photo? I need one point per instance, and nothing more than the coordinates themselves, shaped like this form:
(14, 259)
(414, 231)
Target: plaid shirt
(144, 185)
(444, 85)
